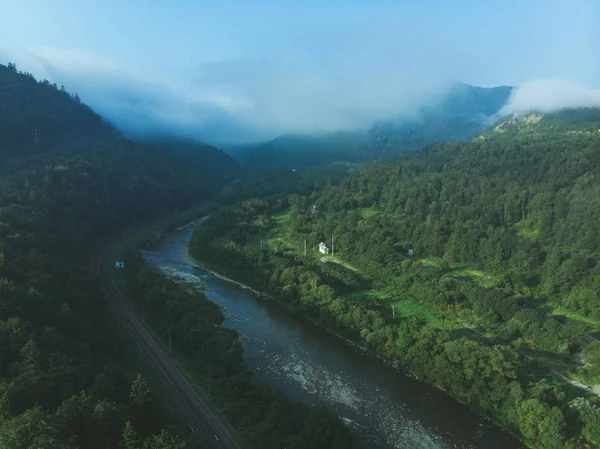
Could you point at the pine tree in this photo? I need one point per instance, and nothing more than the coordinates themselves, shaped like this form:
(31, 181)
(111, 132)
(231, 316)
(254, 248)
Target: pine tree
(140, 394)
(130, 437)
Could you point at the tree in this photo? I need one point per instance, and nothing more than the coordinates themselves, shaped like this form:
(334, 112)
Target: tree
(591, 356)
(130, 438)
(552, 428)
(29, 430)
(140, 392)
(164, 440)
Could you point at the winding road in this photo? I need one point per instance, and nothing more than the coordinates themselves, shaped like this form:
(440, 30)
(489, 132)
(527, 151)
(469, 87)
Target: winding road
(199, 415)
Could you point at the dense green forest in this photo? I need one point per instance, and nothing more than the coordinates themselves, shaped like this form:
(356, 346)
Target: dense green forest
(459, 115)
(487, 250)
(68, 376)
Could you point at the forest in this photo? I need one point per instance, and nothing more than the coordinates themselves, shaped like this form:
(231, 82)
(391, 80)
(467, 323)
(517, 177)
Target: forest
(69, 377)
(487, 251)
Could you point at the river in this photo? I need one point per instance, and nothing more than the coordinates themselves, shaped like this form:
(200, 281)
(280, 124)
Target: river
(309, 364)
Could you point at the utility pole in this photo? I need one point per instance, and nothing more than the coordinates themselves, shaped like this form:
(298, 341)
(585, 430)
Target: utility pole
(332, 243)
(261, 244)
(393, 312)
(304, 247)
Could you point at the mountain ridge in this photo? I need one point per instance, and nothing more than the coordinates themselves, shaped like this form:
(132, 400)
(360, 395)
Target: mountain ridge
(461, 114)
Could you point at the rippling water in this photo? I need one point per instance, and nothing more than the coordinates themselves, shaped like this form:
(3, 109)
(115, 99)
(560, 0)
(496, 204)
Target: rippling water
(309, 364)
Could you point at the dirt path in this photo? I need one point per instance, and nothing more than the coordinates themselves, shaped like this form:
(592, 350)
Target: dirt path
(595, 389)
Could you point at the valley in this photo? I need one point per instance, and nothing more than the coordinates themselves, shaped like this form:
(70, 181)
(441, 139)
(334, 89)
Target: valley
(427, 275)
(312, 366)
(299, 226)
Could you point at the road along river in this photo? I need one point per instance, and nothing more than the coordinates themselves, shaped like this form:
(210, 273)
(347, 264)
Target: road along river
(311, 365)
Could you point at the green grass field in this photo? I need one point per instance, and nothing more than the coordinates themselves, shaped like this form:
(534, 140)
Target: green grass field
(368, 212)
(576, 316)
(484, 279)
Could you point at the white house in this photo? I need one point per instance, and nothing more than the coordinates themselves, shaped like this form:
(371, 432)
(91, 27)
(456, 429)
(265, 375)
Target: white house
(323, 248)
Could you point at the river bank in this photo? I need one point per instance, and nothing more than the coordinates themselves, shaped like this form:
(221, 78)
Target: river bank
(263, 296)
(208, 268)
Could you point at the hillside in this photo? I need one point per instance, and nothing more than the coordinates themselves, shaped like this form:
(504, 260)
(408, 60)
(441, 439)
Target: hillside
(475, 265)
(303, 151)
(461, 114)
(70, 376)
(67, 376)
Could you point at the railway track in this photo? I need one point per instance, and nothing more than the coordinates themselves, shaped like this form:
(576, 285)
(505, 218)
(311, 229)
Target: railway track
(200, 417)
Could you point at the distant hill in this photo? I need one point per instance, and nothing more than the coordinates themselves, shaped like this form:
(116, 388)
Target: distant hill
(464, 112)
(473, 102)
(300, 151)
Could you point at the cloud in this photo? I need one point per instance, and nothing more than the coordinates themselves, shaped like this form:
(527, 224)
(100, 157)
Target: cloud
(291, 97)
(135, 103)
(548, 95)
(238, 99)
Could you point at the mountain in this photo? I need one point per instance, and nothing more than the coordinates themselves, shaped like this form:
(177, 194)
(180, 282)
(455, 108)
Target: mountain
(461, 114)
(68, 179)
(503, 232)
(70, 376)
(473, 102)
(475, 265)
(302, 151)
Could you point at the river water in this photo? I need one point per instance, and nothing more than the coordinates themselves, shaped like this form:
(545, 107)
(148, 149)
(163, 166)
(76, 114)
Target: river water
(309, 364)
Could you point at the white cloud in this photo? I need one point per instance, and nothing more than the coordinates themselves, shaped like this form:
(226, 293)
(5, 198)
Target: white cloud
(260, 97)
(551, 94)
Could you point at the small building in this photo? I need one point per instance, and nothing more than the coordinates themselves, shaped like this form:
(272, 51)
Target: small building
(323, 248)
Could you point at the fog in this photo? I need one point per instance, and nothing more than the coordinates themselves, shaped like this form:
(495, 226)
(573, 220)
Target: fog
(243, 72)
(549, 95)
(239, 100)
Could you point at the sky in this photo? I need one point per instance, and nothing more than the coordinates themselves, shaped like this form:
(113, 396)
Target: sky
(255, 69)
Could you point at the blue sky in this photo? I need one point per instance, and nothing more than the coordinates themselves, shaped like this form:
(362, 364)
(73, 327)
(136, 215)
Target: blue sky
(301, 66)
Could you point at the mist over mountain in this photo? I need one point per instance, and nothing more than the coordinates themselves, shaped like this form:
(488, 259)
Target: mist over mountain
(462, 113)
(251, 73)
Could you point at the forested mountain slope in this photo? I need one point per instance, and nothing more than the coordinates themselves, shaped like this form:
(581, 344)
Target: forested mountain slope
(475, 265)
(303, 151)
(503, 229)
(461, 114)
(522, 200)
(67, 180)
